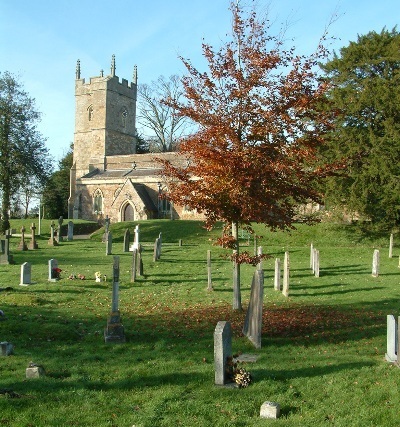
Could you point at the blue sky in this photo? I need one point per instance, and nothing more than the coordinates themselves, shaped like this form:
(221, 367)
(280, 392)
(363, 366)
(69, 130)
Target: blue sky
(41, 41)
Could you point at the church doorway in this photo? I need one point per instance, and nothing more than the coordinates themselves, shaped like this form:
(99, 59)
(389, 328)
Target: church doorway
(129, 213)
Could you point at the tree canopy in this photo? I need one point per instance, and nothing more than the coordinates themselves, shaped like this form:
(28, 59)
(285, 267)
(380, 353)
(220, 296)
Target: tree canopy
(366, 96)
(254, 156)
(23, 153)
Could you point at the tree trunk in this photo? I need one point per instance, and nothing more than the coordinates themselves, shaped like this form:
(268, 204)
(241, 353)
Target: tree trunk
(237, 300)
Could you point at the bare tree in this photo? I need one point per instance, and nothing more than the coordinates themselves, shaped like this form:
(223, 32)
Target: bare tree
(165, 126)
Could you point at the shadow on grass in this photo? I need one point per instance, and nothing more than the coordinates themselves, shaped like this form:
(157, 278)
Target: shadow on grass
(340, 291)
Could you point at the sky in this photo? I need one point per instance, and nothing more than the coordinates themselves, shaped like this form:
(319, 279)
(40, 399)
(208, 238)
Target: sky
(41, 41)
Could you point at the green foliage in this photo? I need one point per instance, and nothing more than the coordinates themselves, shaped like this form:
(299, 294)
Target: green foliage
(366, 96)
(322, 355)
(23, 156)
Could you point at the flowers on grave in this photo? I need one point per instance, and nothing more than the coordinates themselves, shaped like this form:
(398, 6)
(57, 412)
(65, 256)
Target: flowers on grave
(72, 277)
(236, 374)
(81, 276)
(97, 276)
(55, 273)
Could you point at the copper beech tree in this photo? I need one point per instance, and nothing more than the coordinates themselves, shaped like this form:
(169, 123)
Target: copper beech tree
(254, 155)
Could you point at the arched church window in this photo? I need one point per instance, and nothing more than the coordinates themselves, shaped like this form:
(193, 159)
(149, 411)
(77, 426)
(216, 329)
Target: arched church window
(124, 116)
(98, 202)
(90, 113)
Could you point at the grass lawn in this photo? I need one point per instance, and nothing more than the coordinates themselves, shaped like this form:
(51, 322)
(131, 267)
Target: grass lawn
(322, 356)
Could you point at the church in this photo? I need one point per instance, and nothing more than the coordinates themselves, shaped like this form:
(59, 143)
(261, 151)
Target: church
(108, 178)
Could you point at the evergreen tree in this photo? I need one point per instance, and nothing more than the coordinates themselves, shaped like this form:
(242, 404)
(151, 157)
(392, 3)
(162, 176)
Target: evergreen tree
(366, 98)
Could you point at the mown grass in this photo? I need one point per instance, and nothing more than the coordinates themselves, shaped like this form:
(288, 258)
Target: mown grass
(322, 355)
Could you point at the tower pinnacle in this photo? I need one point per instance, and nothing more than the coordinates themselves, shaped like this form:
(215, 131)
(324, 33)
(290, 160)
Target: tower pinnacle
(134, 78)
(113, 66)
(78, 70)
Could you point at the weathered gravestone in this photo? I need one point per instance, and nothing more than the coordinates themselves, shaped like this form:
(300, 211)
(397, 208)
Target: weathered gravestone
(34, 371)
(209, 280)
(127, 237)
(316, 263)
(277, 275)
(157, 249)
(70, 232)
(33, 244)
(222, 352)
(109, 243)
(375, 263)
(253, 321)
(286, 275)
(59, 237)
(114, 331)
(270, 410)
(25, 274)
(22, 245)
(6, 348)
(391, 339)
(54, 271)
(5, 256)
(106, 228)
(52, 241)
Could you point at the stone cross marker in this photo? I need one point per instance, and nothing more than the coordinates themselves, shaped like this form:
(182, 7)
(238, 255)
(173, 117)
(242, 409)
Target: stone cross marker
(25, 274)
(70, 232)
(375, 263)
(5, 257)
(33, 244)
(136, 241)
(392, 339)
(253, 321)
(114, 331)
(286, 275)
(22, 245)
(277, 275)
(127, 237)
(209, 280)
(52, 241)
(222, 351)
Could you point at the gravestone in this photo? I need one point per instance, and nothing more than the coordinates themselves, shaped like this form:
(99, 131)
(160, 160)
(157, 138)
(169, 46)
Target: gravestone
(136, 240)
(5, 256)
(157, 250)
(312, 257)
(52, 241)
(127, 237)
(140, 261)
(222, 351)
(6, 348)
(106, 229)
(159, 246)
(180, 242)
(253, 321)
(316, 262)
(109, 243)
(277, 275)
(25, 274)
(375, 263)
(391, 339)
(134, 265)
(70, 232)
(53, 266)
(22, 245)
(259, 253)
(270, 410)
(60, 221)
(34, 371)
(286, 275)
(391, 246)
(33, 244)
(209, 280)
(114, 331)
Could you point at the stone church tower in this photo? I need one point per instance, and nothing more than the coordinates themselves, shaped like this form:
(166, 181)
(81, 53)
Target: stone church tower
(108, 178)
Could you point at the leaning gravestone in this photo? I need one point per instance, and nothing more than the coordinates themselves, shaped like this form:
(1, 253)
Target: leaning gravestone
(277, 276)
(25, 274)
(222, 351)
(70, 232)
(391, 339)
(253, 321)
(375, 263)
(114, 331)
(33, 244)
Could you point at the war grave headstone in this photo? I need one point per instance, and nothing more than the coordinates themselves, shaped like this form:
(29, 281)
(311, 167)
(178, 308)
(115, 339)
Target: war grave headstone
(391, 338)
(6, 348)
(286, 275)
(25, 274)
(109, 243)
(5, 256)
(114, 331)
(52, 241)
(54, 271)
(70, 231)
(209, 279)
(22, 245)
(60, 222)
(127, 237)
(222, 351)
(277, 275)
(253, 321)
(33, 244)
(375, 263)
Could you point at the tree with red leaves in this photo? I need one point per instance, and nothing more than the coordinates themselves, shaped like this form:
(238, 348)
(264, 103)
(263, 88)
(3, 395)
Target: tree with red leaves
(254, 155)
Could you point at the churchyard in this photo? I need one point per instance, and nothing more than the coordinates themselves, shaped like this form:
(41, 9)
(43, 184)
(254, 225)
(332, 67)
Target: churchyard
(322, 353)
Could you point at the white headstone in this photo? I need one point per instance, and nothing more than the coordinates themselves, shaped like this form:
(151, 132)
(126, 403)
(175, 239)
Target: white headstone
(375, 263)
(286, 268)
(277, 276)
(25, 274)
(391, 341)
